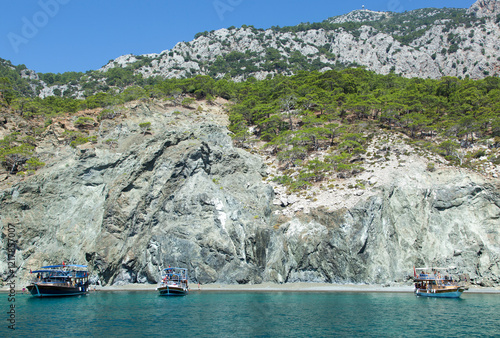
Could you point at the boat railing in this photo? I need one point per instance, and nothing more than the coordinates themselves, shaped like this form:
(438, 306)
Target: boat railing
(62, 281)
(438, 276)
(175, 279)
(60, 276)
(173, 275)
(437, 281)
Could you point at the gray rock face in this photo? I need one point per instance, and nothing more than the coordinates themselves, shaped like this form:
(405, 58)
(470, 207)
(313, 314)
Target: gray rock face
(183, 195)
(452, 224)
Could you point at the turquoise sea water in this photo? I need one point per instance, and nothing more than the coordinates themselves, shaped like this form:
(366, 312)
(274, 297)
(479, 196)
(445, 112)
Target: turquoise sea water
(253, 314)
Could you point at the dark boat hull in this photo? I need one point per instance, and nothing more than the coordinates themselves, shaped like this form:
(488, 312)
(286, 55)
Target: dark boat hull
(51, 290)
(172, 291)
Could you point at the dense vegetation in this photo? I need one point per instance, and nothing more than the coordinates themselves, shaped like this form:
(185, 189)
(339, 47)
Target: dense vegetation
(11, 81)
(334, 112)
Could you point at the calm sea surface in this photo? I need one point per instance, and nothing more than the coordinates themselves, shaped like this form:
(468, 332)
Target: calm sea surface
(253, 314)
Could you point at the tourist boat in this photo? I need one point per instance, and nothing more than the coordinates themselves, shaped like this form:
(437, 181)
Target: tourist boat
(59, 280)
(174, 282)
(437, 283)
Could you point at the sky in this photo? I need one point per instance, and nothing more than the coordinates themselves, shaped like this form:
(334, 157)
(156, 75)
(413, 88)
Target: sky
(57, 36)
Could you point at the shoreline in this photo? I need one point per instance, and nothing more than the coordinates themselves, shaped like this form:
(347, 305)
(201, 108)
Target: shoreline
(295, 287)
(288, 287)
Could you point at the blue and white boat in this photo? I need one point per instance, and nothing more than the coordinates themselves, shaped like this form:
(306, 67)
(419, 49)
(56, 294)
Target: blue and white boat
(437, 283)
(59, 280)
(173, 282)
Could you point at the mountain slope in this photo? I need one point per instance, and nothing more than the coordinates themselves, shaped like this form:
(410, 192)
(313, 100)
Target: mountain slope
(424, 43)
(428, 43)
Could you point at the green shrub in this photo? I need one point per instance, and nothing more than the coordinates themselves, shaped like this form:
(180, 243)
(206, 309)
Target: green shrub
(34, 164)
(479, 153)
(84, 121)
(82, 140)
(145, 127)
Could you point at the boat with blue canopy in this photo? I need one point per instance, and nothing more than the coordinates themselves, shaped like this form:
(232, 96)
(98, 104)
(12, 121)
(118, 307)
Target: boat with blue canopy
(59, 280)
(173, 282)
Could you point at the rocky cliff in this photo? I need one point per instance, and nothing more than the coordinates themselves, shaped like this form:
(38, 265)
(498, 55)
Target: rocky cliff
(446, 218)
(181, 194)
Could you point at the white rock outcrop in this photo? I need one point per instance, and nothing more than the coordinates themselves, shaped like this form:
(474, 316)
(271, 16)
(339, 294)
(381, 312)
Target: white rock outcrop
(485, 8)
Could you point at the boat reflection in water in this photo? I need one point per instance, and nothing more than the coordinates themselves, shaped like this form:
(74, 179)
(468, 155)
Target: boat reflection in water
(174, 282)
(59, 280)
(437, 283)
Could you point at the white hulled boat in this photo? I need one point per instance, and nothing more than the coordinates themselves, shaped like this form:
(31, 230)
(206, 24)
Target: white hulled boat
(174, 282)
(437, 283)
